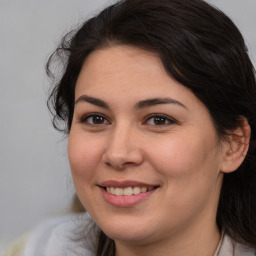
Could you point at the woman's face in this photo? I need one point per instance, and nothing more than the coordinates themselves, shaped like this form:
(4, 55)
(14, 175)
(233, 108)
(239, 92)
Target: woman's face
(143, 150)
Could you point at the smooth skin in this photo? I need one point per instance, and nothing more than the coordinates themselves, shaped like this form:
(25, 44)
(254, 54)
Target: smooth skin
(119, 133)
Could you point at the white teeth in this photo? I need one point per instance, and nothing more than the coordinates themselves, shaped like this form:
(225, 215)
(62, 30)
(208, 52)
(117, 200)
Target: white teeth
(137, 190)
(119, 191)
(143, 189)
(128, 191)
(112, 190)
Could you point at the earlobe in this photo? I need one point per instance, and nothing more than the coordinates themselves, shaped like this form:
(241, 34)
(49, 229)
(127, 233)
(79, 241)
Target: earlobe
(236, 147)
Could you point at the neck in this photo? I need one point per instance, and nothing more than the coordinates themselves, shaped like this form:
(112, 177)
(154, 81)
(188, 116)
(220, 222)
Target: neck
(203, 242)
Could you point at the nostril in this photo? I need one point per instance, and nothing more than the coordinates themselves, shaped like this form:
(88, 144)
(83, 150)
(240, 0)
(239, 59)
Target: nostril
(108, 164)
(129, 163)
(121, 166)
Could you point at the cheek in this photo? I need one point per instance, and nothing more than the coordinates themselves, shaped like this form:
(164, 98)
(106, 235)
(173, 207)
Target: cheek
(186, 156)
(84, 155)
(190, 172)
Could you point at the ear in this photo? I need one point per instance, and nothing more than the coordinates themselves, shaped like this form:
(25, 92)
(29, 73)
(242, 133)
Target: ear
(236, 147)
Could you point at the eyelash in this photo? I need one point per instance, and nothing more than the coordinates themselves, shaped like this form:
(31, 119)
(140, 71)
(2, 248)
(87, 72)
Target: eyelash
(160, 116)
(154, 117)
(85, 119)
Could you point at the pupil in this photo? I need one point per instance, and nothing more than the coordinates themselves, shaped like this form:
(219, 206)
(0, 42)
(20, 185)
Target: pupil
(159, 120)
(98, 120)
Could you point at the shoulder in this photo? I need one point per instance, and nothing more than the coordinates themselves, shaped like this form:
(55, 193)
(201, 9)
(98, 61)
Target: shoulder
(16, 248)
(67, 235)
(232, 248)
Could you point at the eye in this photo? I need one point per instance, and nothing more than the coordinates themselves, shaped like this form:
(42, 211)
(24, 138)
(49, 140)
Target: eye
(95, 119)
(159, 120)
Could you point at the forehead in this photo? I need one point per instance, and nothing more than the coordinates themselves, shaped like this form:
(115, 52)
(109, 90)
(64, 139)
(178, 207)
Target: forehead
(126, 68)
(117, 61)
(125, 75)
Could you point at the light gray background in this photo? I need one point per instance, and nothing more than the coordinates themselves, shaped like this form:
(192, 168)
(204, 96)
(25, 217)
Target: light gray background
(35, 182)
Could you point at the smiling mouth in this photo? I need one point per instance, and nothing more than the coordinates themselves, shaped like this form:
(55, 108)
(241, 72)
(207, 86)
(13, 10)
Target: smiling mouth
(128, 191)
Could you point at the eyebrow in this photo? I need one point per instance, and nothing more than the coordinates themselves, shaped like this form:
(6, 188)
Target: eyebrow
(157, 101)
(139, 105)
(92, 100)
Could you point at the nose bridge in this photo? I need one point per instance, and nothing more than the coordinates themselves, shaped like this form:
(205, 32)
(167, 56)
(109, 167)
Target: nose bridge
(123, 148)
(120, 137)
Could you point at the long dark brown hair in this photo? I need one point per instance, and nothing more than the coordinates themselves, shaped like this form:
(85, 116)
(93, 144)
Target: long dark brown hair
(201, 48)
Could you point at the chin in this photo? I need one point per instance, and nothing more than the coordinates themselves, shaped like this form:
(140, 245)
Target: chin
(129, 236)
(130, 231)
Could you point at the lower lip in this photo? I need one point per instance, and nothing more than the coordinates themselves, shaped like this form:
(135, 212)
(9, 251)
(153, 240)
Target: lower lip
(126, 201)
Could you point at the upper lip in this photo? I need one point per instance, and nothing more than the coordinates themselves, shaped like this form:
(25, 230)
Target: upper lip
(125, 183)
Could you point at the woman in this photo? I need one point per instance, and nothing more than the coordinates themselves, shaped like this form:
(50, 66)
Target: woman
(158, 99)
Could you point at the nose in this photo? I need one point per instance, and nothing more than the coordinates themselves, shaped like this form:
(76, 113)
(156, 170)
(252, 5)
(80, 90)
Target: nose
(123, 149)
